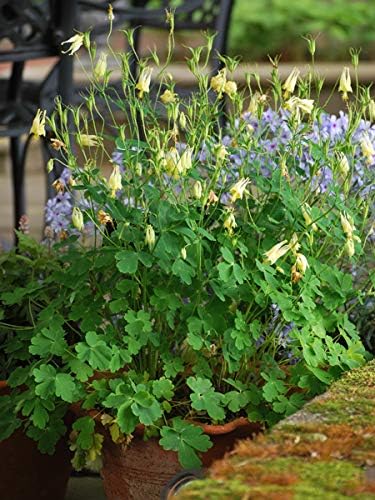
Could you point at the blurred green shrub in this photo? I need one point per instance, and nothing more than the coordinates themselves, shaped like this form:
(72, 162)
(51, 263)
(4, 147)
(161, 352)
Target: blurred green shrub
(262, 27)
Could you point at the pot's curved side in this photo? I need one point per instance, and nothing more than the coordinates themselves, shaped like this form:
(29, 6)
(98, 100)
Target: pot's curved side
(26, 473)
(139, 471)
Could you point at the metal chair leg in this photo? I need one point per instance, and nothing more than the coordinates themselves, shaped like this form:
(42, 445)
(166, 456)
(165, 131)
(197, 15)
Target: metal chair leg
(17, 150)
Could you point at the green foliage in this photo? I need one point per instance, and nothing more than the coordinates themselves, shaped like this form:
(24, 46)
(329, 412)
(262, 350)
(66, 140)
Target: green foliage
(259, 28)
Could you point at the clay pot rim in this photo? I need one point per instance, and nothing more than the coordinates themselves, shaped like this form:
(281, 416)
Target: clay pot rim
(209, 429)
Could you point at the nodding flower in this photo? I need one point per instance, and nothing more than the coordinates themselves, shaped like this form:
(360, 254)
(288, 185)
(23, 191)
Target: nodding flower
(150, 237)
(345, 85)
(76, 42)
(77, 219)
(230, 223)
(237, 190)
(143, 84)
(290, 83)
(277, 251)
(115, 181)
(38, 127)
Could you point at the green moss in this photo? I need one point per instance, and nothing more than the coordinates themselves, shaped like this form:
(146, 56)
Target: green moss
(356, 412)
(356, 381)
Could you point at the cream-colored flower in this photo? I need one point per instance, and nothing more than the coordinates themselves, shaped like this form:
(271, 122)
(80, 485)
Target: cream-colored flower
(294, 244)
(38, 127)
(230, 223)
(100, 69)
(76, 42)
(89, 140)
(347, 225)
(371, 110)
(185, 162)
(367, 147)
(171, 161)
(349, 247)
(295, 104)
(254, 103)
(221, 152)
(343, 165)
(182, 120)
(230, 88)
(218, 82)
(144, 81)
(301, 263)
(345, 85)
(306, 211)
(276, 252)
(168, 97)
(237, 190)
(290, 83)
(115, 181)
(150, 236)
(197, 190)
(77, 219)
(183, 253)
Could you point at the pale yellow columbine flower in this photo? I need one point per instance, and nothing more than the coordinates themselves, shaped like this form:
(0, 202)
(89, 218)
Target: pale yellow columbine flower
(143, 85)
(115, 182)
(306, 210)
(183, 253)
(301, 263)
(89, 140)
(349, 247)
(345, 85)
(343, 165)
(197, 190)
(371, 110)
(150, 236)
(76, 42)
(347, 225)
(38, 127)
(101, 67)
(277, 251)
(168, 97)
(171, 161)
(221, 152)
(218, 82)
(237, 190)
(290, 83)
(294, 245)
(182, 120)
(368, 150)
(295, 104)
(77, 219)
(230, 88)
(230, 223)
(185, 162)
(254, 103)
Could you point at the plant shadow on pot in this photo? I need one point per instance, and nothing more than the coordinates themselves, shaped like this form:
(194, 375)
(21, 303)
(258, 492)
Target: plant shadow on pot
(140, 470)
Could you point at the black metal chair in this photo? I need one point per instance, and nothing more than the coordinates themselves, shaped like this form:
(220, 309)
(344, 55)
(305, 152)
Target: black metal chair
(31, 29)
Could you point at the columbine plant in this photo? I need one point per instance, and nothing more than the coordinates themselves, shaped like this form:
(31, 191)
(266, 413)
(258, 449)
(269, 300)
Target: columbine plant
(219, 277)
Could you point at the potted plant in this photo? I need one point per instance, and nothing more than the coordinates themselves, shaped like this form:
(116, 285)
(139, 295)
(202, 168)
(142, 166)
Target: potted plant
(25, 292)
(208, 276)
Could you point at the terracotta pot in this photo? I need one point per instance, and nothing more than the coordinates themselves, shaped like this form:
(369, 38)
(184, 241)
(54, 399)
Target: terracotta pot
(27, 474)
(140, 470)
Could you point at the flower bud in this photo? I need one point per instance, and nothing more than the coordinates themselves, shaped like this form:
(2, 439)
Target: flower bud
(349, 247)
(230, 223)
(347, 226)
(183, 253)
(197, 190)
(182, 120)
(306, 215)
(101, 67)
(218, 82)
(221, 152)
(371, 110)
(89, 140)
(150, 236)
(343, 165)
(50, 165)
(77, 219)
(368, 150)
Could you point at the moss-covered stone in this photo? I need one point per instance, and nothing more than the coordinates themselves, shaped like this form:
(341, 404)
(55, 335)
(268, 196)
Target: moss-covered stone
(326, 451)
